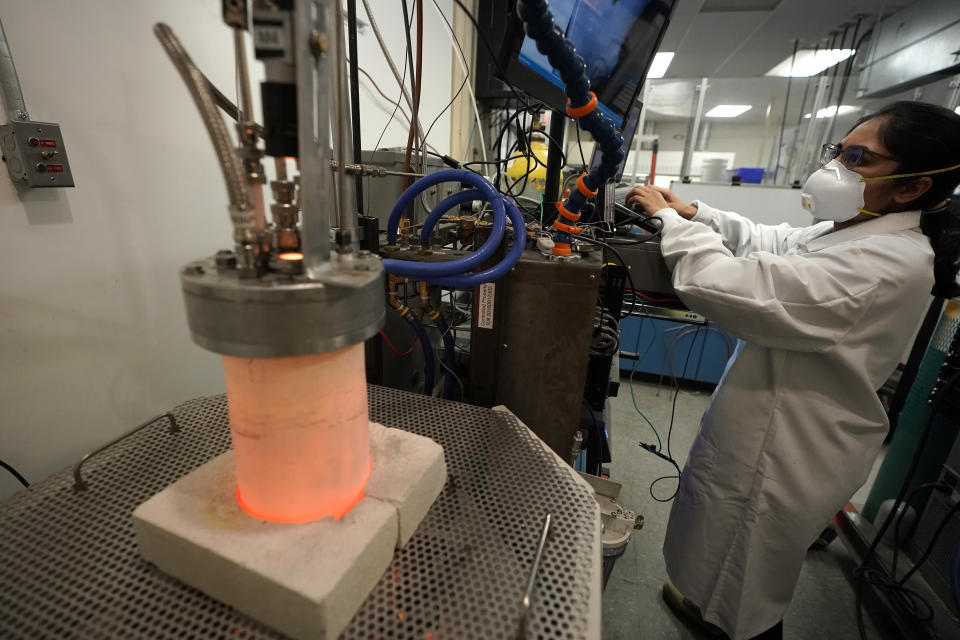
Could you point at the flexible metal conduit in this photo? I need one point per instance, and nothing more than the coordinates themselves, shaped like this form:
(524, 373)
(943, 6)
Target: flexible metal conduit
(12, 95)
(230, 163)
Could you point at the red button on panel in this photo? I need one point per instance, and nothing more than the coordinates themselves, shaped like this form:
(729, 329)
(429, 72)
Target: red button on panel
(33, 142)
(56, 168)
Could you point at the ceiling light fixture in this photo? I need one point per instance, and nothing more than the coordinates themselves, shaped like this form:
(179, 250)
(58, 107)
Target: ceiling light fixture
(728, 110)
(809, 62)
(829, 112)
(660, 63)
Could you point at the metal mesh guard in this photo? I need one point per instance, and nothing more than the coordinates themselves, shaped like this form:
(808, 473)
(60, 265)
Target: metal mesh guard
(70, 566)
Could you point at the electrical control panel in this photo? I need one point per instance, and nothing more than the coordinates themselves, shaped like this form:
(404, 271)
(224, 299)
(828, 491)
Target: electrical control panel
(35, 155)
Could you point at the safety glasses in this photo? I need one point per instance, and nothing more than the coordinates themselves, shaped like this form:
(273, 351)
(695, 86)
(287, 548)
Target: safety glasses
(851, 156)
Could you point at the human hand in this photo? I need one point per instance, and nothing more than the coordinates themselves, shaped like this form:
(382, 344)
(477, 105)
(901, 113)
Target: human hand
(667, 199)
(647, 198)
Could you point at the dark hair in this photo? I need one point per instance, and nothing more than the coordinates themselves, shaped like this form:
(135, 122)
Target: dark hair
(926, 137)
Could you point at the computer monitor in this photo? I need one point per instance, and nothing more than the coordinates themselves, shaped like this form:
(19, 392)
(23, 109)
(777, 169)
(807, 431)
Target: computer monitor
(616, 38)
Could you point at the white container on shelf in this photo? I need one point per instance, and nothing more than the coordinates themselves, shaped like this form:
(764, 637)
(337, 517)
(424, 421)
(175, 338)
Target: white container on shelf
(714, 170)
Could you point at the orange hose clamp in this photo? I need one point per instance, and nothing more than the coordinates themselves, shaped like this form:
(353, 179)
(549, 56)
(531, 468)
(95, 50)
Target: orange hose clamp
(566, 228)
(566, 213)
(561, 249)
(587, 109)
(582, 187)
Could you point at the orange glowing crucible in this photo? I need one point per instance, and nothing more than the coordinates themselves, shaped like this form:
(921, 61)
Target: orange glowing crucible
(300, 435)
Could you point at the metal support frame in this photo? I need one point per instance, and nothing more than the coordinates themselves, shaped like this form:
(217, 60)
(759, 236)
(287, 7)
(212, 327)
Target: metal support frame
(551, 191)
(333, 303)
(342, 138)
(694, 130)
(822, 85)
(313, 25)
(638, 134)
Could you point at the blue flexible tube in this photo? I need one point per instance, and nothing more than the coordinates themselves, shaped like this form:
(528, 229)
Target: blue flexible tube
(495, 272)
(427, 348)
(539, 25)
(448, 358)
(427, 270)
(431, 271)
(445, 205)
(446, 175)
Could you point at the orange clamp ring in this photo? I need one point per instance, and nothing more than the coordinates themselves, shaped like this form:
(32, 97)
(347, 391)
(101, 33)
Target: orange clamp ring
(566, 228)
(561, 249)
(582, 187)
(566, 213)
(587, 109)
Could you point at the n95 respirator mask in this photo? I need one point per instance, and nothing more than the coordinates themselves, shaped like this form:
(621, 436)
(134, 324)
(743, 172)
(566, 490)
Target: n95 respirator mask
(834, 192)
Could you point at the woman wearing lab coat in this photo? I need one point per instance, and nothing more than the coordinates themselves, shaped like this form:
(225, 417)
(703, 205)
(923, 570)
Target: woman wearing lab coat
(823, 314)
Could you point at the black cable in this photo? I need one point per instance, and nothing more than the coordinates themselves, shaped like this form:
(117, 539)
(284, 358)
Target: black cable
(503, 130)
(583, 160)
(14, 473)
(626, 267)
(466, 77)
(863, 573)
(355, 95)
(393, 114)
(644, 222)
(423, 141)
(523, 149)
(933, 542)
(673, 414)
(486, 43)
(910, 601)
(407, 28)
(939, 486)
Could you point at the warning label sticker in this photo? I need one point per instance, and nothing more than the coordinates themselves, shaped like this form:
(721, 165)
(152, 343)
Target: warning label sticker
(485, 305)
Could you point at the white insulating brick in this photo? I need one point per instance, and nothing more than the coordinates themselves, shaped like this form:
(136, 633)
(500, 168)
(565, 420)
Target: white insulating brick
(305, 580)
(409, 472)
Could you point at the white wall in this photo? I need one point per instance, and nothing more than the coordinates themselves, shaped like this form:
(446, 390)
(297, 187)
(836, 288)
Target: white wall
(760, 203)
(375, 110)
(747, 141)
(93, 337)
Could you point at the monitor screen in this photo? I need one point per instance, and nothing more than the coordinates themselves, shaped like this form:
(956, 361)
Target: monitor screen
(617, 62)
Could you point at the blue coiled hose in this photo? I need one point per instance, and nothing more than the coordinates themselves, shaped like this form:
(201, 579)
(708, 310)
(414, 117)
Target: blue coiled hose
(428, 364)
(453, 273)
(539, 25)
(445, 205)
(495, 272)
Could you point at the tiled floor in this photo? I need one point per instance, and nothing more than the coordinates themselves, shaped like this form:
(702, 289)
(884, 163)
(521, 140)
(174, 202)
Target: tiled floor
(823, 607)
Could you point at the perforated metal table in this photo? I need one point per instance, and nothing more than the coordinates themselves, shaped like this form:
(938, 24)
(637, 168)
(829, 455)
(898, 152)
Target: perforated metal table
(70, 566)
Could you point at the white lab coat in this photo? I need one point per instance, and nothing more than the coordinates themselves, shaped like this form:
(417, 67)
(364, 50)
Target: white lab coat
(794, 426)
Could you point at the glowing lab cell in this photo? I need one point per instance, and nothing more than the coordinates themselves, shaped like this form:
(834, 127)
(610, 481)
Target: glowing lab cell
(300, 433)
